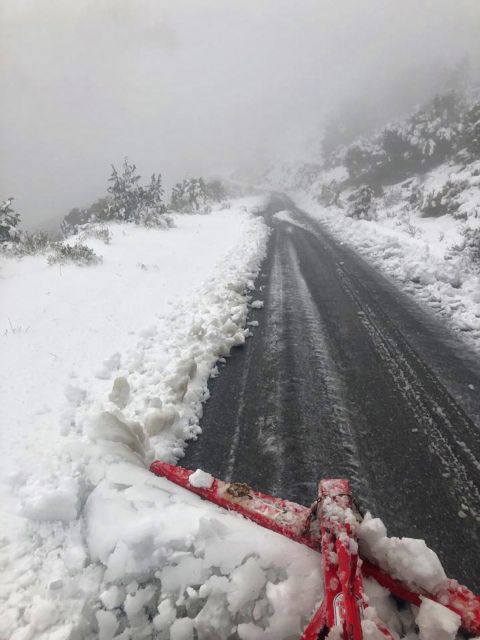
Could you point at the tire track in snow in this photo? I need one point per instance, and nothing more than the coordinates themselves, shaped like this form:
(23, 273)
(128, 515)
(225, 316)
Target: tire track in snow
(418, 446)
(324, 390)
(266, 423)
(422, 403)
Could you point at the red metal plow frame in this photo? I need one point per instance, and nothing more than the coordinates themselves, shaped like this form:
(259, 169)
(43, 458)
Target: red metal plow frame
(329, 527)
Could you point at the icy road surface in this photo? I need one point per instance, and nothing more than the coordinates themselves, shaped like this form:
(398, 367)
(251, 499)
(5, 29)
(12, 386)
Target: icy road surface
(346, 376)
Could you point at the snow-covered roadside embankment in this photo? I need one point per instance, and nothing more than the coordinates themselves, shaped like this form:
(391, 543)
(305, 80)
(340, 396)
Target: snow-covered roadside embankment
(418, 252)
(101, 548)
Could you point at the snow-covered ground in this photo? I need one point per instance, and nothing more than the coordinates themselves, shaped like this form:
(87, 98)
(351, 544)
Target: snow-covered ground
(104, 369)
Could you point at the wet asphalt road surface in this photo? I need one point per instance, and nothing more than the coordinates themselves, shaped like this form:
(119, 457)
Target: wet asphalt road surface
(346, 376)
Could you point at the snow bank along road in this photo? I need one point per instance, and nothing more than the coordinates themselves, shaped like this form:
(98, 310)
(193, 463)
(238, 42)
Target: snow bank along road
(346, 376)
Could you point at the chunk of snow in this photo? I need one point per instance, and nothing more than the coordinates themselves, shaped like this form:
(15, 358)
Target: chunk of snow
(42, 614)
(407, 559)
(246, 583)
(166, 616)
(201, 479)
(257, 304)
(120, 392)
(52, 502)
(108, 426)
(371, 631)
(182, 629)
(112, 597)
(158, 420)
(436, 622)
(107, 624)
(187, 572)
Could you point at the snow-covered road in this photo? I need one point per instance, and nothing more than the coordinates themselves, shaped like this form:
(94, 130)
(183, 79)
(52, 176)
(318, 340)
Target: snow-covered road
(106, 368)
(347, 376)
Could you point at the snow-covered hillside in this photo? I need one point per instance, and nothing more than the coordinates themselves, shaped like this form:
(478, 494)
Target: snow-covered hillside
(408, 198)
(105, 368)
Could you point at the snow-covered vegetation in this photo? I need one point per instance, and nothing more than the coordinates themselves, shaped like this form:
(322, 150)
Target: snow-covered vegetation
(196, 195)
(9, 220)
(407, 196)
(127, 201)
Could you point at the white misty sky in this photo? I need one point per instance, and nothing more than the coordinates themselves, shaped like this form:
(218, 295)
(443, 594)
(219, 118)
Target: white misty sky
(199, 86)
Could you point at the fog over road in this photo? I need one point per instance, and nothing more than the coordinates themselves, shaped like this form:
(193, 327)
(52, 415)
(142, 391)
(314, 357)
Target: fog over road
(346, 376)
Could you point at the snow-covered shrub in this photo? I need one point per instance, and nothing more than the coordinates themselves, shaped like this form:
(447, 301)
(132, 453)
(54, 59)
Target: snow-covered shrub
(444, 200)
(411, 228)
(306, 175)
(197, 195)
(216, 190)
(9, 220)
(472, 243)
(423, 140)
(131, 202)
(151, 217)
(471, 133)
(125, 193)
(361, 204)
(190, 195)
(76, 218)
(393, 197)
(33, 243)
(97, 231)
(363, 159)
(329, 194)
(78, 253)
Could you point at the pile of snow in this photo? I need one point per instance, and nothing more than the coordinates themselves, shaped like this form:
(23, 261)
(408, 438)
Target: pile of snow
(106, 368)
(406, 559)
(412, 562)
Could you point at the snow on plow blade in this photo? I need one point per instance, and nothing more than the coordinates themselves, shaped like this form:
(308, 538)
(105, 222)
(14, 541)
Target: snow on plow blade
(329, 527)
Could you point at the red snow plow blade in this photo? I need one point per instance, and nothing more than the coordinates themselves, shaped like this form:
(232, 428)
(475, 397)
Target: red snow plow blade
(329, 527)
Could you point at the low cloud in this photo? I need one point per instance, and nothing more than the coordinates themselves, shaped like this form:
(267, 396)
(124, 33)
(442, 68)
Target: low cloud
(200, 86)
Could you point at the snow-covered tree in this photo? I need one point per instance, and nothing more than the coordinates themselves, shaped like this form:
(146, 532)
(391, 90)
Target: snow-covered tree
(421, 141)
(362, 203)
(151, 207)
(471, 134)
(132, 202)
(77, 218)
(125, 193)
(216, 190)
(9, 220)
(190, 195)
(444, 199)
